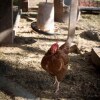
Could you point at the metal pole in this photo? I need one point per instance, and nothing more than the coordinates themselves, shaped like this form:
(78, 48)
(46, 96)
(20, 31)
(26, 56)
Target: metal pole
(72, 21)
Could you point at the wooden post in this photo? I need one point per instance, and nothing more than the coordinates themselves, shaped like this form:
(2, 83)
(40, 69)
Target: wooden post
(24, 5)
(6, 24)
(45, 18)
(58, 4)
(61, 10)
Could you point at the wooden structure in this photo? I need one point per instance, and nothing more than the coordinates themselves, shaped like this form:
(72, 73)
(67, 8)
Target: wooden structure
(95, 57)
(16, 18)
(62, 10)
(58, 4)
(6, 24)
(24, 5)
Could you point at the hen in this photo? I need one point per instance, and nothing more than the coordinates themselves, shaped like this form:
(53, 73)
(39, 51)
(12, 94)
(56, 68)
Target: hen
(55, 62)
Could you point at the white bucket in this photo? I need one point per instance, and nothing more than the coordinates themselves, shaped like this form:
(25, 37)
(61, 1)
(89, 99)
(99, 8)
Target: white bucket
(45, 18)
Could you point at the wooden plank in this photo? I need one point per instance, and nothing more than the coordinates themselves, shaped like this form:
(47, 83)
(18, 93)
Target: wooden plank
(95, 56)
(6, 35)
(90, 8)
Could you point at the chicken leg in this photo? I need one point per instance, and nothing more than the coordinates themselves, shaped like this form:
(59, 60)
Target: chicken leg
(55, 80)
(58, 83)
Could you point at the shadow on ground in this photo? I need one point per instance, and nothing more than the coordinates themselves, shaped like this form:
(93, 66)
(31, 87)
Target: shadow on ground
(24, 40)
(90, 35)
(81, 82)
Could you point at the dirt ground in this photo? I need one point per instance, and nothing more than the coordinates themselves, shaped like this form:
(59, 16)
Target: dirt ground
(20, 61)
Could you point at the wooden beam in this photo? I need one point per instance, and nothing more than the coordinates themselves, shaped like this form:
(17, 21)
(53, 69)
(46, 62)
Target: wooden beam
(58, 7)
(6, 23)
(24, 5)
(90, 8)
(95, 56)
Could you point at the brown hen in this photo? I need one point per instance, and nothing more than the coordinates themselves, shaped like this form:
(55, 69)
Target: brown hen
(55, 62)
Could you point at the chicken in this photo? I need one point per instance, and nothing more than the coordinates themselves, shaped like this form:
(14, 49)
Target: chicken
(55, 62)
